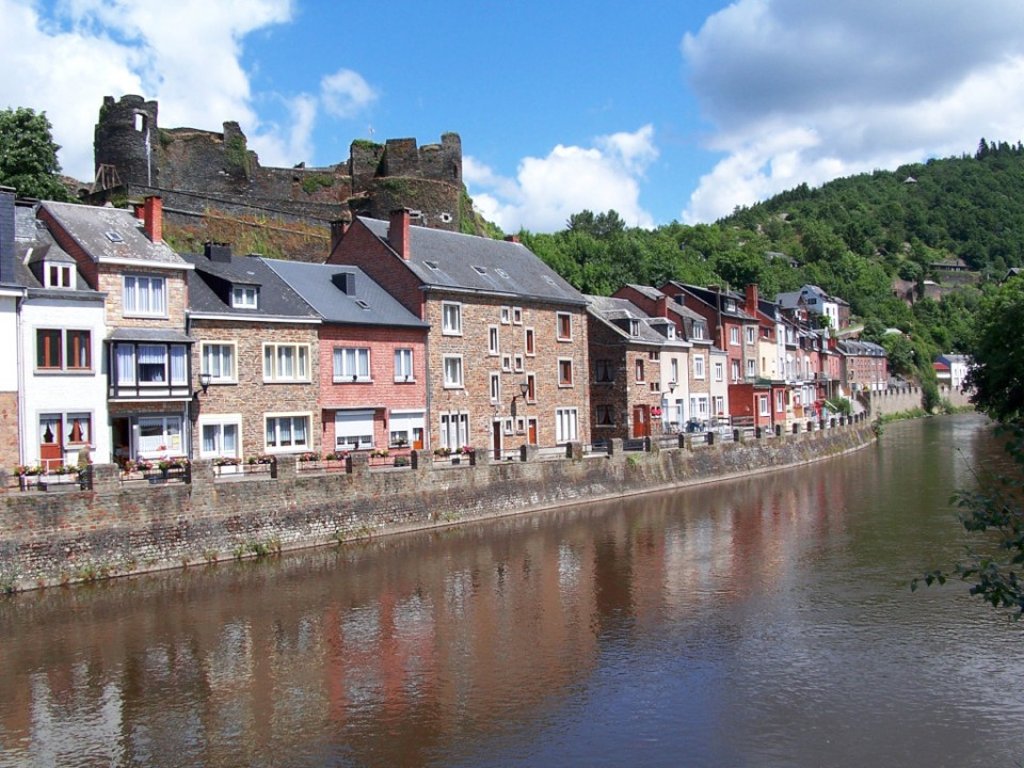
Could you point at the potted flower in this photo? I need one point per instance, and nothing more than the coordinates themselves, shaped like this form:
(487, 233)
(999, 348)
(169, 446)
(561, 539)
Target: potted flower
(443, 453)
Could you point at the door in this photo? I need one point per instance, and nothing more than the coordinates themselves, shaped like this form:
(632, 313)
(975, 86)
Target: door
(496, 439)
(641, 424)
(51, 441)
(531, 434)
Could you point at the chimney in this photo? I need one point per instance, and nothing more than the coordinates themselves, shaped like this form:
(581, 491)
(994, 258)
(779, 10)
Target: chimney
(339, 228)
(154, 218)
(7, 252)
(751, 299)
(512, 238)
(661, 306)
(398, 232)
(139, 210)
(218, 252)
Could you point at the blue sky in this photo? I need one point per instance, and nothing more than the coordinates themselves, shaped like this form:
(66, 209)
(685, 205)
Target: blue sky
(662, 110)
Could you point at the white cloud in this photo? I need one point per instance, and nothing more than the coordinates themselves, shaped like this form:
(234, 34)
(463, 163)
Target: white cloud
(804, 91)
(345, 93)
(547, 191)
(285, 146)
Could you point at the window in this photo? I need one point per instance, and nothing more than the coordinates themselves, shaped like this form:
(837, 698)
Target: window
(454, 430)
(244, 297)
(285, 362)
(151, 364)
(453, 371)
(218, 360)
(674, 371)
(655, 356)
(699, 407)
(699, 330)
(734, 335)
(220, 439)
(565, 372)
(506, 363)
(288, 432)
(698, 366)
(493, 344)
(506, 315)
(531, 388)
(751, 334)
(604, 416)
(634, 327)
(735, 370)
(639, 369)
(762, 405)
(530, 340)
(451, 319)
(160, 436)
(517, 363)
(63, 350)
(655, 386)
(351, 364)
(495, 387)
(566, 425)
(403, 365)
(508, 426)
(751, 368)
(145, 296)
(57, 276)
(719, 405)
(564, 326)
(719, 371)
(517, 315)
(353, 430)
(603, 371)
(406, 429)
(780, 403)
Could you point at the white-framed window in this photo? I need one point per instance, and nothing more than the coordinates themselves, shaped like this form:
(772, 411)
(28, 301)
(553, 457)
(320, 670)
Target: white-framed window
(780, 401)
(454, 429)
(245, 297)
(520, 425)
(218, 360)
(145, 296)
(566, 425)
(506, 363)
(151, 364)
(563, 326)
(751, 334)
(517, 363)
(698, 366)
(220, 437)
(288, 432)
(352, 364)
(762, 406)
(530, 342)
(403, 365)
(451, 318)
(506, 315)
(353, 430)
(508, 426)
(406, 429)
(59, 349)
(639, 372)
(735, 364)
(285, 362)
(719, 401)
(495, 388)
(751, 367)
(699, 330)
(57, 276)
(453, 371)
(517, 315)
(531, 388)
(493, 342)
(62, 432)
(734, 335)
(160, 436)
(719, 370)
(565, 372)
(699, 406)
(674, 370)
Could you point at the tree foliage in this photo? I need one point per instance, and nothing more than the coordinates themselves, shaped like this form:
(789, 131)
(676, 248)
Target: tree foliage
(998, 373)
(28, 155)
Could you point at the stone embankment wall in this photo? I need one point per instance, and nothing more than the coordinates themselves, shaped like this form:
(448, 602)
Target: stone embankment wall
(903, 399)
(49, 538)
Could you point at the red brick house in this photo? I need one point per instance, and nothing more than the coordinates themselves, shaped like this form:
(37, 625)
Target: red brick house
(507, 346)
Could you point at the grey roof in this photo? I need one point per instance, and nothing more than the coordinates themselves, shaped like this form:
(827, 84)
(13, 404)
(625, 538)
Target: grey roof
(710, 298)
(150, 334)
(92, 228)
(680, 309)
(479, 264)
(860, 348)
(615, 312)
(210, 285)
(367, 304)
(35, 246)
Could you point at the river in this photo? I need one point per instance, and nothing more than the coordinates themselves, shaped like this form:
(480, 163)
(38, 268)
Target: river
(761, 622)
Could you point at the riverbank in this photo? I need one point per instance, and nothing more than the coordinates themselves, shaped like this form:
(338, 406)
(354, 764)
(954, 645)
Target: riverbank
(120, 528)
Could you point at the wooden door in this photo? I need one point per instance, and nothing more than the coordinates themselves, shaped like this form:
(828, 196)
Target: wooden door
(496, 439)
(51, 442)
(531, 434)
(641, 424)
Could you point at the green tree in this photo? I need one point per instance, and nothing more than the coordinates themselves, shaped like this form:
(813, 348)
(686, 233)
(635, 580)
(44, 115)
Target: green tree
(28, 155)
(998, 372)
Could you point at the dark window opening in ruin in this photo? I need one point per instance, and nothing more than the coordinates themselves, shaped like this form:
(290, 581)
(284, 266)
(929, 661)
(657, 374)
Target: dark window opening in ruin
(455, 171)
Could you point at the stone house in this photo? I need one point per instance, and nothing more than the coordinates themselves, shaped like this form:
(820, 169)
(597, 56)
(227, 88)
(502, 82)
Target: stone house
(147, 354)
(507, 347)
(864, 366)
(11, 294)
(256, 351)
(372, 359)
(60, 374)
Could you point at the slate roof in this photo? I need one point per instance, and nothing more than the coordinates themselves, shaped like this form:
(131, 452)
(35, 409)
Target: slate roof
(861, 348)
(209, 289)
(680, 309)
(92, 228)
(33, 244)
(453, 261)
(369, 304)
(710, 298)
(615, 312)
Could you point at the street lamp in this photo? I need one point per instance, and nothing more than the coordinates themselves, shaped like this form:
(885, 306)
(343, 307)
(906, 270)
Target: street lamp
(524, 388)
(204, 381)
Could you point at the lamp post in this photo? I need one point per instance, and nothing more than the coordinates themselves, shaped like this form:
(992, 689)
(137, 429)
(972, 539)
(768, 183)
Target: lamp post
(524, 388)
(204, 381)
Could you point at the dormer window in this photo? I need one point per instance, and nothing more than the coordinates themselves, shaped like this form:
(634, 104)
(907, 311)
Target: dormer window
(634, 327)
(244, 297)
(58, 276)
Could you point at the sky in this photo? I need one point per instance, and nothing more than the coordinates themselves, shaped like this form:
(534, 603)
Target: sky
(662, 110)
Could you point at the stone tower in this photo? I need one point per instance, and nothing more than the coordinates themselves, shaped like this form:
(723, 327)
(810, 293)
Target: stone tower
(127, 139)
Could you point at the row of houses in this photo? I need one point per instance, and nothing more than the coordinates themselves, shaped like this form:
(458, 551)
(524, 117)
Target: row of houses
(404, 338)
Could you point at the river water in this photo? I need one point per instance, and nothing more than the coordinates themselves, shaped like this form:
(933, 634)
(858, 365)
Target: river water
(761, 622)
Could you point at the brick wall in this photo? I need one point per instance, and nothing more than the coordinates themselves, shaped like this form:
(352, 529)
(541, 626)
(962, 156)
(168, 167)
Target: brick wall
(9, 450)
(111, 280)
(53, 538)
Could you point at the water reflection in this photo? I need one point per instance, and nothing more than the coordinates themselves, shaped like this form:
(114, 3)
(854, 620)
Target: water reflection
(761, 622)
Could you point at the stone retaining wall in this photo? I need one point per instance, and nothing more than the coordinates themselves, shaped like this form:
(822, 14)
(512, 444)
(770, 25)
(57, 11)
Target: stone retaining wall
(118, 528)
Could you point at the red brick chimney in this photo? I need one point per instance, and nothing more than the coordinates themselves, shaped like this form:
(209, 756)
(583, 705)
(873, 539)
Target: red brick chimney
(339, 227)
(750, 305)
(139, 211)
(153, 218)
(512, 238)
(398, 232)
(661, 306)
